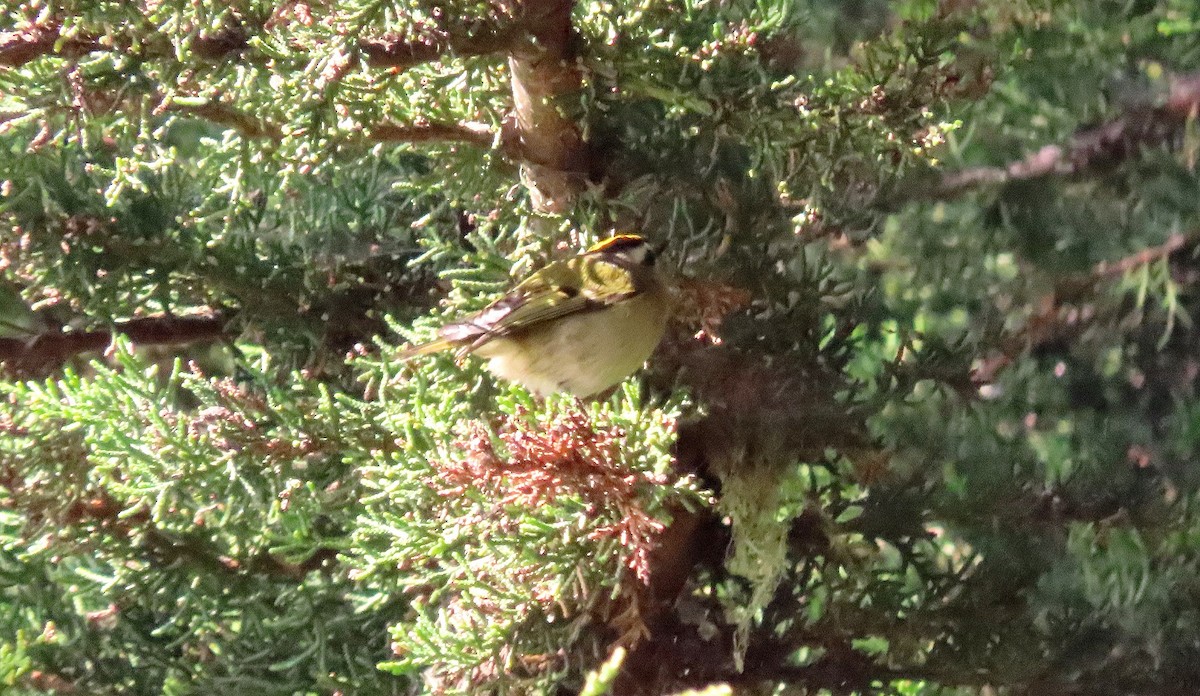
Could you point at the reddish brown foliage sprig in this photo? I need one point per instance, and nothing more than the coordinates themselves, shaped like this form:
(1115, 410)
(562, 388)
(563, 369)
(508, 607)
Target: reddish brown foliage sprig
(570, 456)
(702, 305)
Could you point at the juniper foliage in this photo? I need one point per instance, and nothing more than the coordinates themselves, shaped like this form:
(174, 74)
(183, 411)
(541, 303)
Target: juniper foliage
(925, 424)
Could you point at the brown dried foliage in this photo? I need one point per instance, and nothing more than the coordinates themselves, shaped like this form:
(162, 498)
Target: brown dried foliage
(702, 305)
(569, 457)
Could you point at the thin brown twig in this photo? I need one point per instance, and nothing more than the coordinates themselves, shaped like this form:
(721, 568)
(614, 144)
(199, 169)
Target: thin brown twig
(1054, 320)
(225, 115)
(475, 133)
(1107, 271)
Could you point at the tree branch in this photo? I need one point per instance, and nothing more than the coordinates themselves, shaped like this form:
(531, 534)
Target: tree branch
(50, 682)
(49, 350)
(397, 52)
(19, 47)
(111, 514)
(1099, 147)
(543, 70)
(393, 52)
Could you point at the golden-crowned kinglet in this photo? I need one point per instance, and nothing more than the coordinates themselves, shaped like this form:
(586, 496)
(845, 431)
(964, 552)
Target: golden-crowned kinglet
(579, 325)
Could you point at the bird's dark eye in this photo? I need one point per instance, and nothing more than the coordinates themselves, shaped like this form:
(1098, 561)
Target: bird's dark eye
(648, 256)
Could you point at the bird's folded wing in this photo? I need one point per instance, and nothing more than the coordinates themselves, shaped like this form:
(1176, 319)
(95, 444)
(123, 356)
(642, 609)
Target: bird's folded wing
(560, 289)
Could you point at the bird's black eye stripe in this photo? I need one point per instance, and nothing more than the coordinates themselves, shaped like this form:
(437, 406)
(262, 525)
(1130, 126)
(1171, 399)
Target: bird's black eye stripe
(651, 255)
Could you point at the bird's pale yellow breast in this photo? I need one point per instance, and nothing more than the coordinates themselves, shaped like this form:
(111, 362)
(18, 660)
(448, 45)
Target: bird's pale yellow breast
(584, 353)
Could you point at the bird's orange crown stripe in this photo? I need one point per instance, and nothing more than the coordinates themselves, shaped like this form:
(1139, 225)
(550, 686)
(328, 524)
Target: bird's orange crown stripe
(616, 242)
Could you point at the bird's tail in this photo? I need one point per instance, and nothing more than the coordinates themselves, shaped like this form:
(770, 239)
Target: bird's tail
(425, 348)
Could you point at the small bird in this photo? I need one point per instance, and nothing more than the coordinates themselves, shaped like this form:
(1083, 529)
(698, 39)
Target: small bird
(579, 325)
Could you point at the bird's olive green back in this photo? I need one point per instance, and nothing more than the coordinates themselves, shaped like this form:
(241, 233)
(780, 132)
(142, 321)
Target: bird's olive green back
(574, 285)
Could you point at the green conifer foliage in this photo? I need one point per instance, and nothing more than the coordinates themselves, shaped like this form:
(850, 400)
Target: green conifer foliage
(925, 421)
